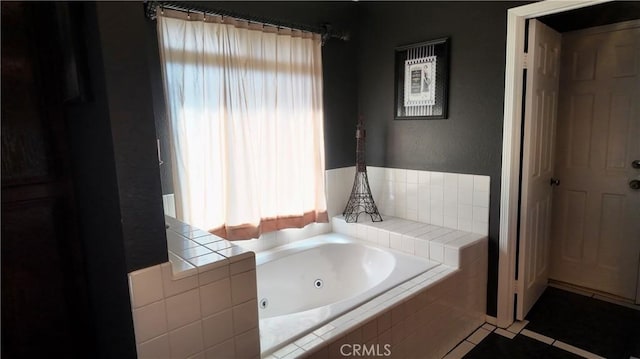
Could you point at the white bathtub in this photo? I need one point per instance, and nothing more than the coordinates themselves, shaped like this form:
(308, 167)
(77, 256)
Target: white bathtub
(305, 284)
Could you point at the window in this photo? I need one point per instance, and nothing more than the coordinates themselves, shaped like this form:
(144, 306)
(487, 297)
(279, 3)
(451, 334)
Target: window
(245, 113)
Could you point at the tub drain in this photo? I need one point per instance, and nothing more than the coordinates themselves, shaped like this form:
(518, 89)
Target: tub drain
(318, 283)
(263, 303)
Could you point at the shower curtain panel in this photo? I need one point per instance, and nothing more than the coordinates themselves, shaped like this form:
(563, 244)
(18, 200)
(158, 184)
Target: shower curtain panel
(245, 111)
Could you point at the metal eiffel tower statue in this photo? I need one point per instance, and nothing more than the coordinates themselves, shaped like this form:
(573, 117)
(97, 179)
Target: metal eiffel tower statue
(361, 200)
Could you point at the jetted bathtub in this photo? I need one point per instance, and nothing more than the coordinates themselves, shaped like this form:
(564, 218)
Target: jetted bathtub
(305, 284)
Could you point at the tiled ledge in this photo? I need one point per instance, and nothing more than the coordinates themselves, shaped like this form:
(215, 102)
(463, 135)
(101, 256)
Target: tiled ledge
(203, 303)
(193, 251)
(436, 243)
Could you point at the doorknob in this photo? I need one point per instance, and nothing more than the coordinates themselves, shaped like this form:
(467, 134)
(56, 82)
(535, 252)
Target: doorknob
(635, 164)
(554, 182)
(634, 184)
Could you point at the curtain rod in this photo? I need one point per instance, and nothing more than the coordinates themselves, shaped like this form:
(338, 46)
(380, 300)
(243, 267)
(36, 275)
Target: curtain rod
(326, 31)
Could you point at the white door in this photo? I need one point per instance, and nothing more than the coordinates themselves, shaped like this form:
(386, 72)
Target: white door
(537, 164)
(596, 228)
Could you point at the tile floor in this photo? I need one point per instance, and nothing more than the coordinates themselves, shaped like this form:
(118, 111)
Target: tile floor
(563, 324)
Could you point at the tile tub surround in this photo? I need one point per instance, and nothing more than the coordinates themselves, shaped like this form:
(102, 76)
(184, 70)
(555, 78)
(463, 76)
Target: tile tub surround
(424, 318)
(200, 304)
(458, 201)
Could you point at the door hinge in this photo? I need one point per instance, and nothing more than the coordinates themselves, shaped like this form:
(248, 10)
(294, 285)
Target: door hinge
(516, 287)
(525, 60)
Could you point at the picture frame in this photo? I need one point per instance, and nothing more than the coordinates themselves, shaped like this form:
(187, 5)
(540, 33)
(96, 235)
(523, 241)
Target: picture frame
(421, 80)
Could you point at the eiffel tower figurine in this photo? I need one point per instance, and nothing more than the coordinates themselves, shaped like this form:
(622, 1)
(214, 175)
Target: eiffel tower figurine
(361, 199)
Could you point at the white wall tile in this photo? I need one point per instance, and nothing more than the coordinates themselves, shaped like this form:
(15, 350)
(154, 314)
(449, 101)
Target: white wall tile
(424, 192)
(213, 275)
(444, 199)
(224, 350)
(437, 179)
(193, 252)
(146, 286)
(372, 234)
(376, 181)
(408, 245)
(243, 287)
(186, 341)
(481, 183)
(215, 297)
(395, 241)
(352, 230)
(169, 204)
(217, 328)
(243, 265)
(248, 344)
(389, 174)
(150, 321)
(180, 268)
(245, 316)
(465, 224)
(465, 189)
(156, 348)
(173, 287)
(480, 228)
(480, 214)
(338, 184)
(450, 181)
(412, 176)
(412, 196)
(339, 225)
(384, 238)
(481, 199)
(421, 248)
(361, 229)
(451, 257)
(436, 218)
(450, 209)
(450, 221)
(183, 309)
(465, 211)
(436, 252)
(400, 193)
(436, 193)
(424, 177)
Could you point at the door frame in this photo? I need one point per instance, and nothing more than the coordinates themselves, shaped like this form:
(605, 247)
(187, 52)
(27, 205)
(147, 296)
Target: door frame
(511, 144)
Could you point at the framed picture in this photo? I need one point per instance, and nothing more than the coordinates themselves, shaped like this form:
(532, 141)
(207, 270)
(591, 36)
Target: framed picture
(422, 78)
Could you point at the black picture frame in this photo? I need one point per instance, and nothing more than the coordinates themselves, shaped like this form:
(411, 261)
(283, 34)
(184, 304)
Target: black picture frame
(425, 100)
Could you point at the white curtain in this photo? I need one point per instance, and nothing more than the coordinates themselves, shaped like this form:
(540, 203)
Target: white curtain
(245, 111)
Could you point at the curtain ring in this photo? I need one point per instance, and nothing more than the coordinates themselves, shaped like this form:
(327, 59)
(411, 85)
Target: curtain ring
(204, 16)
(189, 14)
(161, 10)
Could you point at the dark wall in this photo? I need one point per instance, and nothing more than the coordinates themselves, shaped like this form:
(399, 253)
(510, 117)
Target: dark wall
(470, 140)
(338, 64)
(115, 167)
(124, 50)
